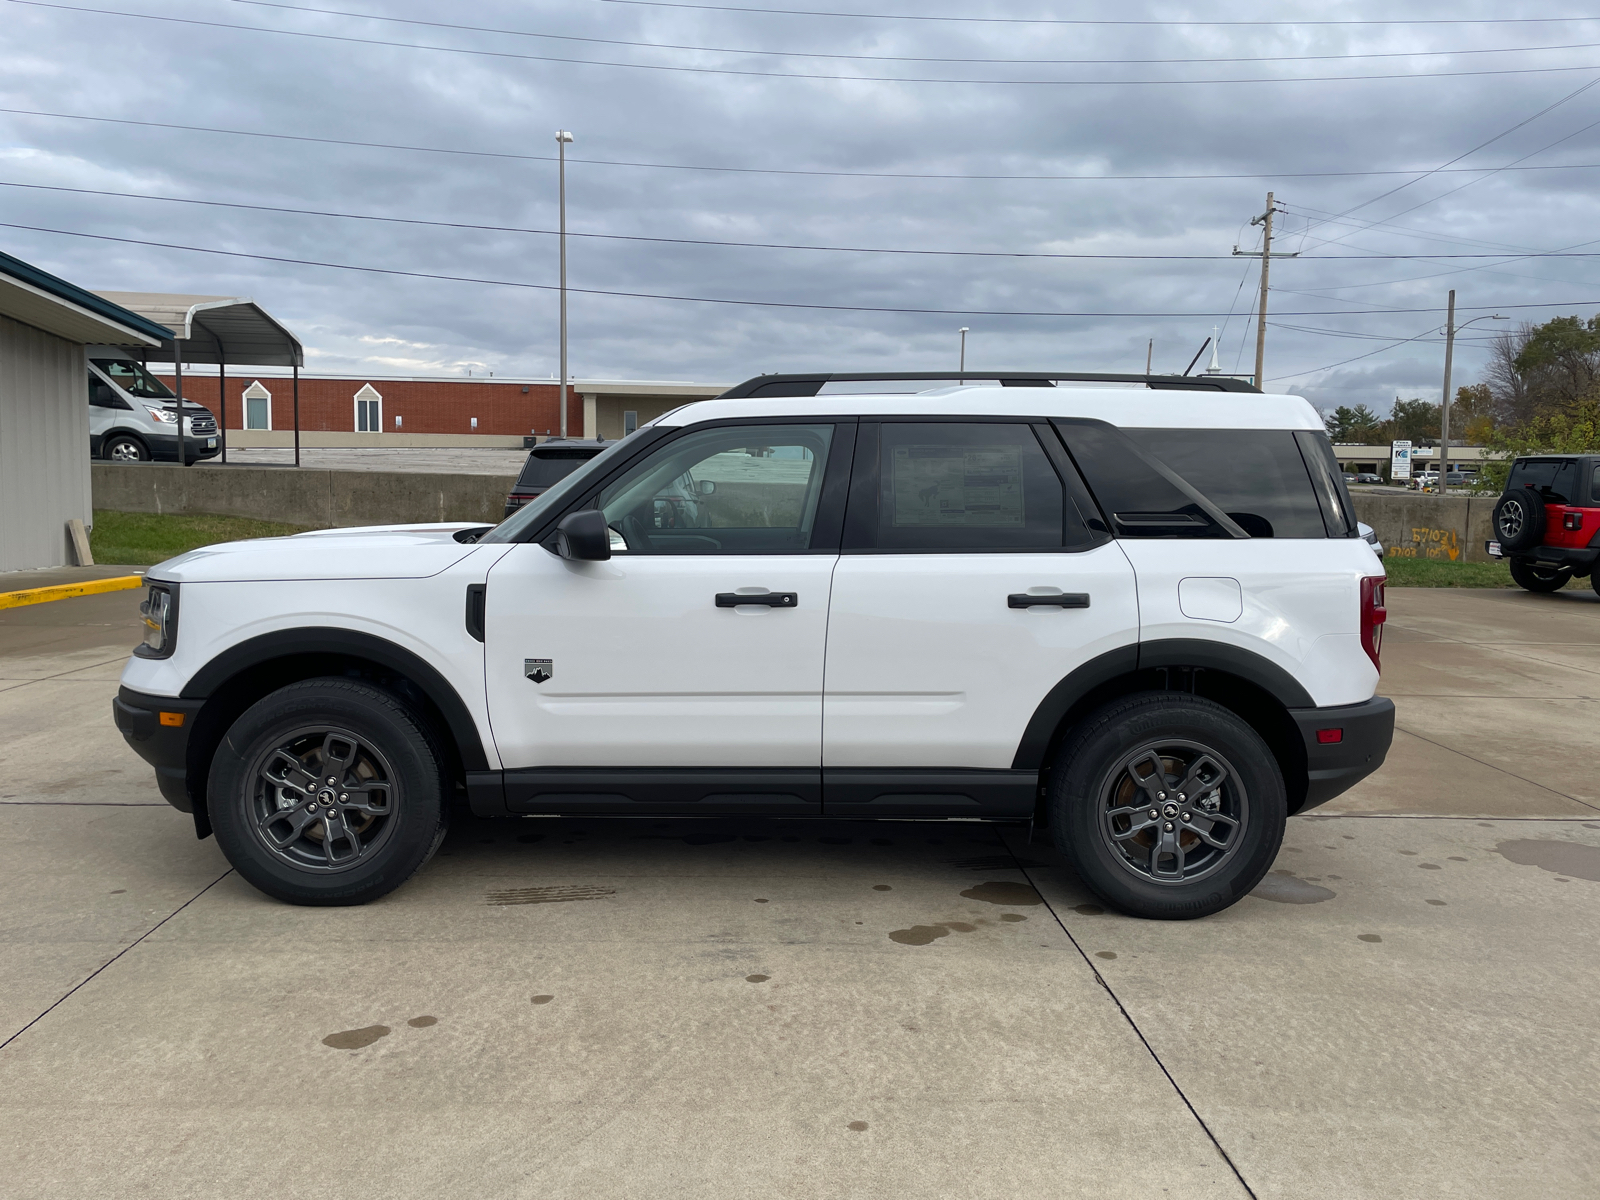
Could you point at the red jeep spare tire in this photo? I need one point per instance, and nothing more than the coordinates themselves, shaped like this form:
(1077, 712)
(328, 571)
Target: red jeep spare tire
(1519, 520)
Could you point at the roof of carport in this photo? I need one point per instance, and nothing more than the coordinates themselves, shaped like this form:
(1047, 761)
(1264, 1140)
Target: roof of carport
(213, 329)
(47, 302)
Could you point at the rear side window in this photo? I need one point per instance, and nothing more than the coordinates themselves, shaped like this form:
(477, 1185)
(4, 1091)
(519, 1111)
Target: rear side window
(1256, 476)
(1555, 478)
(1142, 495)
(1594, 486)
(967, 486)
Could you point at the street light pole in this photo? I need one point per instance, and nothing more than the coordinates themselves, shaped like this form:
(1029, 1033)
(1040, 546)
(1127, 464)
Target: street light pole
(963, 350)
(1450, 332)
(562, 138)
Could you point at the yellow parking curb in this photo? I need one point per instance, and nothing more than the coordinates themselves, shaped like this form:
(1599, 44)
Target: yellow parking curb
(63, 591)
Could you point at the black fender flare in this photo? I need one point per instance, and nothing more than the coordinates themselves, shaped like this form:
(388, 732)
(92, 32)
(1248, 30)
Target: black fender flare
(347, 643)
(1164, 652)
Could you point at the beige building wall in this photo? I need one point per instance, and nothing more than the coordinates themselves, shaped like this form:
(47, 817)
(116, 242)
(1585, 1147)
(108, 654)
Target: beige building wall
(44, 445)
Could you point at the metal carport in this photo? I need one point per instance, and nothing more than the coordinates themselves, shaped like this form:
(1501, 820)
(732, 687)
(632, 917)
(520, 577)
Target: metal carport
(218, 330)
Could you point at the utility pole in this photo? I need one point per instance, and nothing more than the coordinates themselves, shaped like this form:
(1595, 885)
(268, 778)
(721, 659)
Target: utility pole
(1444, 407)
(1264, 220)
(562, 138)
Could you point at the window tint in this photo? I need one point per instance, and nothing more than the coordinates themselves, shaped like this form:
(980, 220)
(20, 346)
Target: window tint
(749, 489)
(1256, 476)
(1555, 478)
(1142, 496)
(541, 470)
(966, 486)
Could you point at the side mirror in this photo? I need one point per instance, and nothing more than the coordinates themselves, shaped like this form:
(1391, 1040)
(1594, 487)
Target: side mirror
(584, 536)
(707, 486)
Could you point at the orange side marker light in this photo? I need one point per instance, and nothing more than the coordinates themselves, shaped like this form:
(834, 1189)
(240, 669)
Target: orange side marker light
(173, 719)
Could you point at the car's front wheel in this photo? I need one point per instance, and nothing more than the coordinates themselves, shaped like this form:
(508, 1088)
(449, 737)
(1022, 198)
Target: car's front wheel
(328, 791)
(1539, 579)
(1168, 805)
(125, 449)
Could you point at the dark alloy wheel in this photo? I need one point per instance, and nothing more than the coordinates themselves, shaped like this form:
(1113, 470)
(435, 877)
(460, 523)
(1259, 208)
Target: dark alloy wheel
(1518, 520)
(1538, 578)
(125, 449)
(328, 792)
(1169, 805)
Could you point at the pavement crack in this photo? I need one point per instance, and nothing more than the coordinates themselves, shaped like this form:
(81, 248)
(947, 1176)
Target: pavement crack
(70, 992)
(1139, 1033)
(1470, 758)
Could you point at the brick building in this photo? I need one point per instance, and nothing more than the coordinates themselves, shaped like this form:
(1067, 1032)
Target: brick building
(421, 405)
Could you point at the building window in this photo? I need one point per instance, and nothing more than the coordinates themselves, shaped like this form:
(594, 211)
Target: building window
(257, 407)
(369, 410)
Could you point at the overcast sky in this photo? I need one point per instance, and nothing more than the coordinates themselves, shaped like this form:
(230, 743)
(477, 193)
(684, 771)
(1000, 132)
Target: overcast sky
(780, 100)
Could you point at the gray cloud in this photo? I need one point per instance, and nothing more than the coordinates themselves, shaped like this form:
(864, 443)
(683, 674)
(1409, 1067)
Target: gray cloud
(157, 71)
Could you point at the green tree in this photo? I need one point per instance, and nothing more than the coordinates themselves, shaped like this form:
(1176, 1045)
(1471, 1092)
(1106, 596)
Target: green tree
(1413, 421)
(1358, 425)
(1472, 414)
(1573, 432)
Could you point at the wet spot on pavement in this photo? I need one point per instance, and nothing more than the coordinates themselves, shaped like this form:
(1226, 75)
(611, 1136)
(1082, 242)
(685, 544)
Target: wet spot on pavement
(1437, 903)
(960, 927)
(541, 999)
(1349, 837)
(761, 900)
(1012, 917)
(1457, 858)
(1002, 892)
(1108, 955)
(1283, 888)
(557, 894)
(422, 1022)
(1559, 858)
(882, 887)
(1410, 853)
(1088, 910)
(355, 1039)
(1368, 937)
(757, 978)
(1429, 867)
(119, 891)
(857, 1126)
(918, 935)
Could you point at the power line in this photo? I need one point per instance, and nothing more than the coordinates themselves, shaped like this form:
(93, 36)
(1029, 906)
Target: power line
(1359, 357)
(745, 73)
(569, 37)
(671, 241)
(798, 12)
(549, 287)
(657, 166)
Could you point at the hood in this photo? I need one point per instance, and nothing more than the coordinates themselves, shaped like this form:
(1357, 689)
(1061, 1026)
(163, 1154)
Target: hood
(372, 552)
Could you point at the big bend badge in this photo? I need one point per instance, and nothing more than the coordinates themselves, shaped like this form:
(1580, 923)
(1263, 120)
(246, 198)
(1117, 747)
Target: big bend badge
(538, 669)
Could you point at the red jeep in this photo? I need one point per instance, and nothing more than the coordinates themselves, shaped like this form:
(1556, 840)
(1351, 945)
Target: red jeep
(1548, 521)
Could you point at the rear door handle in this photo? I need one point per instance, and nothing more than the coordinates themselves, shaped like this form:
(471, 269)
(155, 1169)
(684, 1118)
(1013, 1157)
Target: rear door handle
(770, 599)
(1061, 600)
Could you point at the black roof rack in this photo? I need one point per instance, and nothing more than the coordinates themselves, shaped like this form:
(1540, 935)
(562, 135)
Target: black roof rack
(773, 386)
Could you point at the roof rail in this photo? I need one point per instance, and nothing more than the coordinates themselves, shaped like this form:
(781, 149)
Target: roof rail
(773, 386)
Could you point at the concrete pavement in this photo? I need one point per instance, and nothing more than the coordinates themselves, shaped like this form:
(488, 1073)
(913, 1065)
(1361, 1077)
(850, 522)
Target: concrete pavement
(830, 1009)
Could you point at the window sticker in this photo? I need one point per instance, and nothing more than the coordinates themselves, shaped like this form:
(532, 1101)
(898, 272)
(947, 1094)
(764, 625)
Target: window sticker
(958, 486)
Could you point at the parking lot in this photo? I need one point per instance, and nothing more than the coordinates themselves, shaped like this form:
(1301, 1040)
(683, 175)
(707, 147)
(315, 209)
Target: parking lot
(1405, 1007)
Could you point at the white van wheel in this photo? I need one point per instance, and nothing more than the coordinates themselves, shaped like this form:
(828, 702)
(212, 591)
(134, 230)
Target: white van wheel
(126, 449)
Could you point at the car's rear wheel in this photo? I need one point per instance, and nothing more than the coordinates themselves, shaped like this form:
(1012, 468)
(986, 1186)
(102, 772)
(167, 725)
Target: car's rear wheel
(1539, 579)
(1518, 520)
(328, 791)
(125, 449)
(1169, 805)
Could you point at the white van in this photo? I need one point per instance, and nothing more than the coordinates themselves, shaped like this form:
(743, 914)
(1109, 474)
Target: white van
(133, 416)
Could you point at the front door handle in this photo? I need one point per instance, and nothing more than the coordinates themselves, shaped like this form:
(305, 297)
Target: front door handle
(770, 599)
(1059, 600)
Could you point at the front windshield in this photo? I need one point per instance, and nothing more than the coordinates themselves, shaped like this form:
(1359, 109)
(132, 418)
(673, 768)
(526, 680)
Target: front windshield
(133, 379)
(552, 498)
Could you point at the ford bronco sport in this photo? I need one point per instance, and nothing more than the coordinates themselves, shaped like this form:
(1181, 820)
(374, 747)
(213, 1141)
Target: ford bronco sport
(1141, 613)
(1547, 523)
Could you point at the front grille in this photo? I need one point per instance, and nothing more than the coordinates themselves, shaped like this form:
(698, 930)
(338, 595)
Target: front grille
(203, 424)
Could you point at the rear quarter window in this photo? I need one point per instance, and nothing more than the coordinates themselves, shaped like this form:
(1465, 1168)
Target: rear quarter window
(1257, 476)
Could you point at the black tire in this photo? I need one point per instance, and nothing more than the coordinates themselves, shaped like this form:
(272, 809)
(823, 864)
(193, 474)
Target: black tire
(1094, 777)
(1539, 579)
(307, 833)
(121, 448)
(1518, 520)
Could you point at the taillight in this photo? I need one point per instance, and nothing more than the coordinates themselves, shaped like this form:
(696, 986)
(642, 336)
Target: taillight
(1373, 615)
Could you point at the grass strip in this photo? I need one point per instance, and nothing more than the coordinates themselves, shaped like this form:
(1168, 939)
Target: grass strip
(1438, 573)
(144, 539)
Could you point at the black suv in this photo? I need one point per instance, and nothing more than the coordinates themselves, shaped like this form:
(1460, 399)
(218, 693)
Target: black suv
(549, 463)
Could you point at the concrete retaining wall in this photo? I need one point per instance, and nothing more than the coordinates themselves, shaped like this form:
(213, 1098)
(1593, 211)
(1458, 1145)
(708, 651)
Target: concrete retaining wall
(1419, 525)
(318, 498)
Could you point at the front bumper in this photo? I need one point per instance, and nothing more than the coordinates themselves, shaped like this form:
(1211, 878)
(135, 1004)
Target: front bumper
(147, 723)
(1365, 731)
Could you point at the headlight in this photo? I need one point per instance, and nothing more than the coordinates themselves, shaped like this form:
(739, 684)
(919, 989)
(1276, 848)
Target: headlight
(160, 612)
(163, 415)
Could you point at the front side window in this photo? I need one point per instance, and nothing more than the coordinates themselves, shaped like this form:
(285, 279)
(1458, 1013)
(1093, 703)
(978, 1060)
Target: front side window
(103, 395)
(133, 379)
(737, 490)
(972, 486)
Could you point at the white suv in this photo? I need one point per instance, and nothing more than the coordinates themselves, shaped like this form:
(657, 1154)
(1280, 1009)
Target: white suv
(1141, 614)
